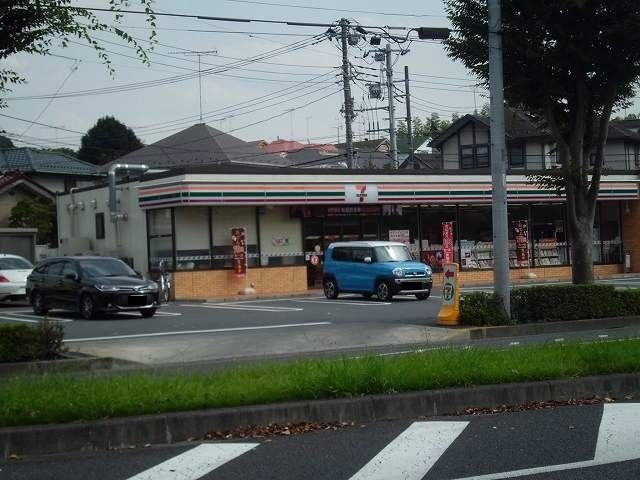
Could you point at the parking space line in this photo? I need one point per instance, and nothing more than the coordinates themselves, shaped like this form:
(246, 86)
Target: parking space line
(14, 319)
(195, 332)
(341, 302)
(36, 318)
(247, 308)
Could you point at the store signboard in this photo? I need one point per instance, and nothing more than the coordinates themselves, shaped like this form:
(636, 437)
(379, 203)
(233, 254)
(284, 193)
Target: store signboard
(447, 241)
(521, 236)
(361, 193)
(239, 244)
(401, 236)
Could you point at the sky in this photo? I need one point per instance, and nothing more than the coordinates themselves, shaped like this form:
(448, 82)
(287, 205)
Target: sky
(291, 94)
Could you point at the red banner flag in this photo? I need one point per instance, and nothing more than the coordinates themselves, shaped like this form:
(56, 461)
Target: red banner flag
(447, 242)
(239, 244)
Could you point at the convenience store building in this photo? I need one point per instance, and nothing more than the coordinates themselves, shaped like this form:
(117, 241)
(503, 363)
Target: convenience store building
(184, 217)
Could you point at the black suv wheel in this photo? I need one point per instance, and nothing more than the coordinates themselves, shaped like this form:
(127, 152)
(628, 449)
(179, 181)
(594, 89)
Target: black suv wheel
(87, 307)
(148, 312)
(39, 304)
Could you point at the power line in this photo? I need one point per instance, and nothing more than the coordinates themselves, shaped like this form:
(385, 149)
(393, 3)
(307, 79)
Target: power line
(327, 9)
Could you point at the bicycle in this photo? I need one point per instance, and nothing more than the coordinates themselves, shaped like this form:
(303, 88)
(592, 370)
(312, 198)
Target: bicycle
(164, 282)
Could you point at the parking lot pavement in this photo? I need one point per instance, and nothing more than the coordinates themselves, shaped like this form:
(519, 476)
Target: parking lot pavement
(192, 332)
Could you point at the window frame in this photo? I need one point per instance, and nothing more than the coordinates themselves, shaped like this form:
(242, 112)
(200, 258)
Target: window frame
(472, 160)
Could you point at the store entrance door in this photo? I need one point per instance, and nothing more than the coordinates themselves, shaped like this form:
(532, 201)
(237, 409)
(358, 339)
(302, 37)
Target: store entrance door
(343, 230)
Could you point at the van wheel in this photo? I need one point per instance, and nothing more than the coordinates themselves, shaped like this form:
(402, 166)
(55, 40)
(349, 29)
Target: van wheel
(383, 291)
(330, 288)
(423, 296)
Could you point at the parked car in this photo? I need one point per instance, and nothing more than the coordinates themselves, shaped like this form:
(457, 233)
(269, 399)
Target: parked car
(14, 271)
(381, 268)
(90, 285)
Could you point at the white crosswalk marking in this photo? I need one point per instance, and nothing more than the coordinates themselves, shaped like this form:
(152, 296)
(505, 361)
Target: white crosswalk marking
(195, 463)
(618, 441)
(412, 454)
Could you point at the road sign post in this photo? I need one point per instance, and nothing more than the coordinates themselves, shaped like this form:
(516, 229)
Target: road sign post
(450, 310)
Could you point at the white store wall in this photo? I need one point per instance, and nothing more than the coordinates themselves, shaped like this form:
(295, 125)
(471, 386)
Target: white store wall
(280, 235)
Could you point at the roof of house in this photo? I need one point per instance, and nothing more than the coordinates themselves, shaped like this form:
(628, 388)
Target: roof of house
(519, 125)
(365, 145)
(28, 160)
(427, 161)
(10, 180)
(201, 144)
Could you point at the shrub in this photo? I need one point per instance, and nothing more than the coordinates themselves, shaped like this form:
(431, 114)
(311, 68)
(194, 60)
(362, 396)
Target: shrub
(480, 308)
(555, 303)
(20, 343)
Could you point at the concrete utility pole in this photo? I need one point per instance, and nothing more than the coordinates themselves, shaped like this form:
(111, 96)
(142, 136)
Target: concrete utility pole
(346, 85)
(407, 98)
(392, 119)
(498, 164)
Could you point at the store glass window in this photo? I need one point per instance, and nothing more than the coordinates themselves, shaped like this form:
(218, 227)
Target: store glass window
(400, 224)
(223, 219)
(280, 237)
(431, 219)
(610, 237)
(476, 240)
(160, 233)
(192, 239)
(549, 233)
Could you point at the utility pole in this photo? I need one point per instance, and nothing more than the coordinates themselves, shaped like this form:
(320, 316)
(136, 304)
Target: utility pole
(392, 119)
(498, 166)
(346, 85)
(407, 98)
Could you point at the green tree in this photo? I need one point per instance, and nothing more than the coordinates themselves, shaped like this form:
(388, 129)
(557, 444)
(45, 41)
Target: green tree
(6, 142)
(422, 130)
(64, 150)
(36, 213)
(107, 140)
(569, 63)
(30, 26)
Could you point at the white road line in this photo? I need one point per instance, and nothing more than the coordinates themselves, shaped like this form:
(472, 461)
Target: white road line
(513, 344)
(246, 308)
(603, 336)
(34, 319)
(341, 302)
(195, 332)
(37, 317)
(561, 339)
(618, 441)
(412, 454)
(168, 314)
(195, 463)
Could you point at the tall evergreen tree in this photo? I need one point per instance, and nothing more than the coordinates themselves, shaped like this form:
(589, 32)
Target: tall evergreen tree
(107, 140)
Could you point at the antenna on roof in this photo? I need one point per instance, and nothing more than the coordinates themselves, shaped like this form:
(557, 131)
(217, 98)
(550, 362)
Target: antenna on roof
(199, 54)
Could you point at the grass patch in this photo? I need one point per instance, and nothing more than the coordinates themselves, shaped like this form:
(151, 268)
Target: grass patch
(65, 398)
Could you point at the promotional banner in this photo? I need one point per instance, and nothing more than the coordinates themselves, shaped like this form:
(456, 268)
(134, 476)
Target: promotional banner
(447, 241)
(239, 244)
(521, 236)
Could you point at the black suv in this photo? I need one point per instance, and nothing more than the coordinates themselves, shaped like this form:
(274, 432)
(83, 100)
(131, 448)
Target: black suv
(90, 285)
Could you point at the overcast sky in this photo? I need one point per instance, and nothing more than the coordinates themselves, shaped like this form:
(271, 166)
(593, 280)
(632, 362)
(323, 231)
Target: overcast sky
(258, 100)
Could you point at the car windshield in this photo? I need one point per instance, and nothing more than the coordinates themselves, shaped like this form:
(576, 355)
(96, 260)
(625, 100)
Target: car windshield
(392, 253)
(15, 263)
(106, 267)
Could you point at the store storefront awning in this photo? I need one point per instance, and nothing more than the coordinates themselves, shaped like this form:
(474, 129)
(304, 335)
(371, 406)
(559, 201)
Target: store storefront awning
(212, 189)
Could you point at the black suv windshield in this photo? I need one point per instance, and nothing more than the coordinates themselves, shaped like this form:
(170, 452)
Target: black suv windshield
(392, 253)
(106, 267)
(14, 263)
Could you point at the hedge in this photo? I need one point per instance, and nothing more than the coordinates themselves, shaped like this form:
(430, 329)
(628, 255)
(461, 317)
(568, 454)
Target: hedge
(551, 303)
(19, 343)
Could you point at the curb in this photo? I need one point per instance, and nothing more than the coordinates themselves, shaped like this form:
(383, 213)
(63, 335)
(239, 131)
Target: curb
(478, 333)
(178, 427)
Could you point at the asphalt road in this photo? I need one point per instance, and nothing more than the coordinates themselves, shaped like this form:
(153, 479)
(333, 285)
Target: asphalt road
(584, 442)
(184, 332)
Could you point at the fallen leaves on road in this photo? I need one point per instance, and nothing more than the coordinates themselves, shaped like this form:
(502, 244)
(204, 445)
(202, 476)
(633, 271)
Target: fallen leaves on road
(262, 431)
(532, 406)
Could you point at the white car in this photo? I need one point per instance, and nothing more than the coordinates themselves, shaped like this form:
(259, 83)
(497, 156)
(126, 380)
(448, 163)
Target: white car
(14, 271)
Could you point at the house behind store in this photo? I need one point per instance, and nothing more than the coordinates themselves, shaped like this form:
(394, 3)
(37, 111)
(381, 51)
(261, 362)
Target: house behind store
(184, 215)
